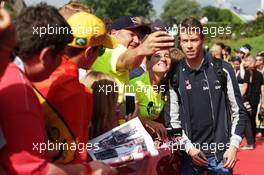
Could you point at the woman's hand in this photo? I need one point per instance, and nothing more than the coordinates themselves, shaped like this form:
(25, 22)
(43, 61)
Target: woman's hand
(135, 113)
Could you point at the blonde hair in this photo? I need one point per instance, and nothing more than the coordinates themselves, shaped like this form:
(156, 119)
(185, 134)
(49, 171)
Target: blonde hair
(73, 7)
(176, 54)
(104, 116)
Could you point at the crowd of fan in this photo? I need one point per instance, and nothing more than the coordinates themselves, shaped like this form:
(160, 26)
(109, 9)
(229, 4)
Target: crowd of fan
(50, 87)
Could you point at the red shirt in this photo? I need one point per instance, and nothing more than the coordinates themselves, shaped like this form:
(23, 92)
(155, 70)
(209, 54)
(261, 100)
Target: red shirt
(22, 124)
(71, 99)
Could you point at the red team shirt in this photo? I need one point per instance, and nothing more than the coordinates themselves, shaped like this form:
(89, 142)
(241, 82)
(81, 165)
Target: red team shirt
(71, 99)
(22, 123)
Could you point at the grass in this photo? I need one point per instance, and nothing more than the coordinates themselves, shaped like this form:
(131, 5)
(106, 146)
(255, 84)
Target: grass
(257, 43)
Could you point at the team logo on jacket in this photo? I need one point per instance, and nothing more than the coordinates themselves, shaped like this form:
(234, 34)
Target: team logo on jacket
(188, 84)
(217, 85)
(205, 85)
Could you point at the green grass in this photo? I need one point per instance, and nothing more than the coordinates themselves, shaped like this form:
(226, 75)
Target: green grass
(257, 43)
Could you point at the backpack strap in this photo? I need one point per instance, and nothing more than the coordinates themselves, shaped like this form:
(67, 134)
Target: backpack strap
(57, 130)
(222, 77)
(220, 73)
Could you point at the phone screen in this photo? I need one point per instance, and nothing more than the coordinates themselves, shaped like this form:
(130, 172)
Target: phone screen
(130, 103)
(174, 132)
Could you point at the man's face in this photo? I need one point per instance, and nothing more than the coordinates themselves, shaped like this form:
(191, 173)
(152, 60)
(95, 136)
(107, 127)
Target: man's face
(191, 44)
(259, 61)
(240, 54)
(160, 61)
(225, 53)
(216, 51)
(249, 63)
(236, 65)
(128, 38)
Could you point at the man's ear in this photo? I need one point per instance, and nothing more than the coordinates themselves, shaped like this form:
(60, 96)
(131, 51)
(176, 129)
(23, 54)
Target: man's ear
(89, 52)
(113, 32)
(44, 54)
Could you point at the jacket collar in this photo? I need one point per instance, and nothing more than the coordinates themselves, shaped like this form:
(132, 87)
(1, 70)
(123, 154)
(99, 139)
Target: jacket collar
(188, 69)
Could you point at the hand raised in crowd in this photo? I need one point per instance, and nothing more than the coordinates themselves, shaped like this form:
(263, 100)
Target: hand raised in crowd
(198, 157)
(155, 42)
(156, 127)
(229, 157)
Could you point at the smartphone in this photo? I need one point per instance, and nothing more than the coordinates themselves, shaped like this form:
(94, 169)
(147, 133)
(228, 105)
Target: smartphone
(174, 132)
(130, 100)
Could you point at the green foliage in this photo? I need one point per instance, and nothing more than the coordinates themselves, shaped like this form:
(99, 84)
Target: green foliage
(220, 15)
(176, 10)
(225, 15)
(211, 13)
(255, 42)
(117, 8)
(240, 30)
(10, 9)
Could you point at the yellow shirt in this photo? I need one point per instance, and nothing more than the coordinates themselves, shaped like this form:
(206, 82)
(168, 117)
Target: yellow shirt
(106, 63)
(150, 102)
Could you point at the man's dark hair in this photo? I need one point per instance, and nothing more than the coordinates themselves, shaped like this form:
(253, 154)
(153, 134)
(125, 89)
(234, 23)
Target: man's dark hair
(191, 24)
(227, 49)
(30, 42)
(222, 45)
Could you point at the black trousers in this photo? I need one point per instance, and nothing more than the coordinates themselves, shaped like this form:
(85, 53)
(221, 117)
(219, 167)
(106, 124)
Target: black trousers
(250, 132)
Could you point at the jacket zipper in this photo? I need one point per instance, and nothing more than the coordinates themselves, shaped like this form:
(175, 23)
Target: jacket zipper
(212, 107)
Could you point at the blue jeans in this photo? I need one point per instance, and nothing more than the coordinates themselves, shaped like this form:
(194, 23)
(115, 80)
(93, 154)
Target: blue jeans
(214, 167)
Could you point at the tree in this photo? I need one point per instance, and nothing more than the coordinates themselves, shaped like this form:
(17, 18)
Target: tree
(175, 11)
(211, 12)
(117, 8)
(215, 14)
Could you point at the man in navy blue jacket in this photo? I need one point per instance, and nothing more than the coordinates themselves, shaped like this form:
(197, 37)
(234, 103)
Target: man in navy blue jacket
(213, 119)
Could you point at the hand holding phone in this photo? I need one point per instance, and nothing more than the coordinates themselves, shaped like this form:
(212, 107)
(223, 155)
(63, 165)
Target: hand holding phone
(156, 41)
(130, 100)
(174, 132)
